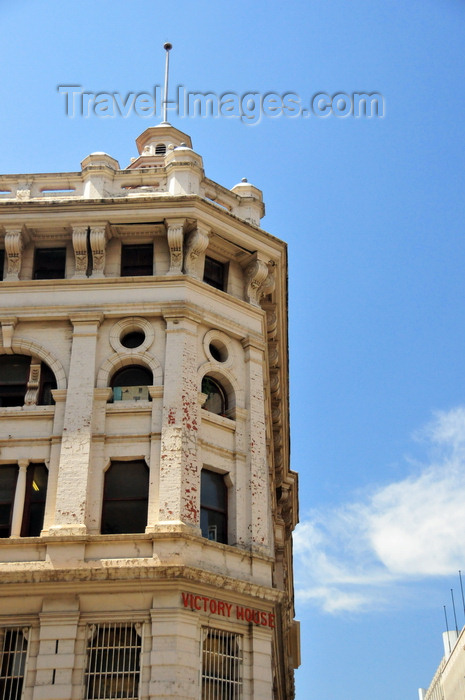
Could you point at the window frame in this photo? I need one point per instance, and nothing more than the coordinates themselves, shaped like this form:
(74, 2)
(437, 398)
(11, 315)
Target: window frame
(133, 268)
(106, 500)
(40, 270)
(217, 664)
(101, 660)
(206, 509)
(209, 279)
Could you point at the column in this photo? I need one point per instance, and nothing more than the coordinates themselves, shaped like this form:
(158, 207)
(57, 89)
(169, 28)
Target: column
(56, 660)
(257, 469)
(261, 671)
(20, 494)
(179, 491)
(73, 473)
(175, 657)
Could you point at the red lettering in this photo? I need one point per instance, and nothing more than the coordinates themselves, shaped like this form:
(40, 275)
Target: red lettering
(239, 612)
(228, 609)
(196, 600)
(213, 606)
(205, 601)
(263, 619)
(185, 599)
(271, 620)
(220, 608)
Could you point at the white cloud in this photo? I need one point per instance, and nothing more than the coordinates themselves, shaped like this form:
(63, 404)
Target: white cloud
(358, 555)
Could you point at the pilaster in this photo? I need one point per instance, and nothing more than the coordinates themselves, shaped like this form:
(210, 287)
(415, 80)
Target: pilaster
(73, 470)
(179, 496)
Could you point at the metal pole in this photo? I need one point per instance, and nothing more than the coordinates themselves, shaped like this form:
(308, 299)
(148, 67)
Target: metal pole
(167, 48)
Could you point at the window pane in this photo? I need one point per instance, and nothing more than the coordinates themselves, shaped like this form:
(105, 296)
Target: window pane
(213, 490)
(14, 369)
(127, 480)
(8, 476)
(213, 525)
(49, 263)
(214, 273)
(125, 498)
(136, 260)
(34, 504)
(13, 649)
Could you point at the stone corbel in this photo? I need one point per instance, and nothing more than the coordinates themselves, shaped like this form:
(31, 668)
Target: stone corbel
(194, 257)
(33, 382)
(14, 243)
(175, 235)
(256, 273)
(98, 241)
(8, 324)
(80, 250)
(269, 284)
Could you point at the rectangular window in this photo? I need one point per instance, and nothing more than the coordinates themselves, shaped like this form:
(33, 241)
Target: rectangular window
(34, 501)
(113, 661)
(49, 263)
(2, 263)
(214, 273)
(13, 651)
(8, 477)
(137, 260)
(213, 506)
(221, 665)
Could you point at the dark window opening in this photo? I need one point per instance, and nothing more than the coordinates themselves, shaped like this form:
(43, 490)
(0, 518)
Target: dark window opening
(125, 498)
(49, 263)
(130, 384)
(34, 502)
(221, 665)
(160, 149)
(216, 396)
(213, 506)
(2, 263)
(136, 260)
(214, 273)
(8, 477)
(14, 377)
(133, 339)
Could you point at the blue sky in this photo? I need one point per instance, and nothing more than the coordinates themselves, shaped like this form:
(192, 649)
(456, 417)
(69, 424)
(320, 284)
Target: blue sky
(373, 212)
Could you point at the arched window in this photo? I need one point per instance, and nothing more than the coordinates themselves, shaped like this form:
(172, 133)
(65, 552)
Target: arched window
(20, 374)
(213, 506)
(160, 149)
(125, 497)
(217, 401)
(130, 383)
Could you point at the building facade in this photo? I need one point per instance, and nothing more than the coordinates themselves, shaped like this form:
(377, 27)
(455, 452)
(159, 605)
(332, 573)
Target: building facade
(449, 680)
(146, 498)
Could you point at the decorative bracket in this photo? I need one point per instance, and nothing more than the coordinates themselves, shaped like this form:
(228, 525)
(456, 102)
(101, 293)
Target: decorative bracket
(175, 237)
(196, 246)
(98, 240)
(80, 250)
(256, 273)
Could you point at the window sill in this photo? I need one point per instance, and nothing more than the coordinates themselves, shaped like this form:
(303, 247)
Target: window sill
(27, 411)
(224, 422)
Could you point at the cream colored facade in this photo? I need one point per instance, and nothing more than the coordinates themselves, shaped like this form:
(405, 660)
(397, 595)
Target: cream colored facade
(169, 587)
(449, 680)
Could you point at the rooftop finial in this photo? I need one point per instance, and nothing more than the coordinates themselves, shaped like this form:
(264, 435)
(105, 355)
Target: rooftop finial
(167, 46)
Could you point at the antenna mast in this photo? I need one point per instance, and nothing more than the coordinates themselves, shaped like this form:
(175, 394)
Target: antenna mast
(167, 48)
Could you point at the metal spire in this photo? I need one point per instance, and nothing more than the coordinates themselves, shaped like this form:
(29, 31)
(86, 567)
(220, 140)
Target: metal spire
(167, 48)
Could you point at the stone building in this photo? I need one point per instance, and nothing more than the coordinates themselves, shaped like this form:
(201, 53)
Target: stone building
(146, 499)
(449, 680)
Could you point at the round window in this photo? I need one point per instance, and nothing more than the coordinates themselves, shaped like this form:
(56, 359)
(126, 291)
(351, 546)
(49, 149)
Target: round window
(218, 351)
(133, 339)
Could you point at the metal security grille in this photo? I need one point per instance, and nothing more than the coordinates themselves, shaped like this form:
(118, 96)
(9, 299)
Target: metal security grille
(13, 651)
(113, 661)
(221, 665)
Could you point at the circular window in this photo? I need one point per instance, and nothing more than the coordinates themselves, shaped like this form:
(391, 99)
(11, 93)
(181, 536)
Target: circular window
(218, 351)
(133, 339)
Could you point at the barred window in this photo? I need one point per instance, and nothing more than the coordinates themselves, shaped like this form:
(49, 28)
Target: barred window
(13, 651)
(221, 665)
(113, 661)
